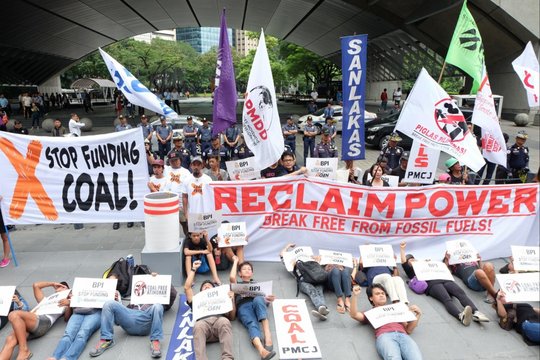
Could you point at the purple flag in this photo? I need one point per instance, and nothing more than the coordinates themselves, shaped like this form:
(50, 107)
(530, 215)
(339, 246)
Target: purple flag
(225, 85)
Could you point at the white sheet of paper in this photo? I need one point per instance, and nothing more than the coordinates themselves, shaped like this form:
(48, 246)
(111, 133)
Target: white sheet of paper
(6, 298)
(377, 255)
(148, 289)
(49, 305)
(204, 221)
(290, 257)
(382, 315)
(336, 258)
(92, 292)
(461, 251)
(232, 234)
(325, 168)
(520, 287)
(526, 258)
(214, 301)
(253, 289)
(243, 169)
(432, 270)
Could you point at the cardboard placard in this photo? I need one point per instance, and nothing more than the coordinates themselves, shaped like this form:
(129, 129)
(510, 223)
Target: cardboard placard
(377, 255)
(92, 292)
(148, 289)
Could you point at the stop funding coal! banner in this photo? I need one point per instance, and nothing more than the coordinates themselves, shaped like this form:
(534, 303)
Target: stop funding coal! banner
(98, 179)
(330, 215)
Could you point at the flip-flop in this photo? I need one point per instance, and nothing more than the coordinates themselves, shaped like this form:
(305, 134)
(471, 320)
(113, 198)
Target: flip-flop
(340, 309)
(269, 347)
(347, 309)
(269, 356)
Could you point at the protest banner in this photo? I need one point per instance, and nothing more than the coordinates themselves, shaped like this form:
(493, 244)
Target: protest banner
(232, 234)
(526, 258)
(6, 298)
(325, 168)
(302, 253)
(377, 255)
(461, 251)
(181, 341)
(336, 258)
(243, 169)
(88, 179)
(422, 164)
(432, 270)
(49, 305)
(148, 289)
(328, 214)
(204, 221)
(395, 313)
(253, 289)
(518, 287)
(213, 301)
(295, 334)
(92, 292)
(528, 70)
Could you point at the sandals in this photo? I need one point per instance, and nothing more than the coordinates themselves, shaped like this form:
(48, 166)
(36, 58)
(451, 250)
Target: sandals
(340, 309)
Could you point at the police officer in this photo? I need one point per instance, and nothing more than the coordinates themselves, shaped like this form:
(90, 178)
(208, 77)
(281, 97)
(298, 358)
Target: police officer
(325, 149)
(241, 151)
(232, 135)
(190, 136)
(331, 128)
(393, 152)
(310, 131)
(217, 149)
(183, 153)
(205, 136)
(289, 133)
(146, 129)
(518, 158)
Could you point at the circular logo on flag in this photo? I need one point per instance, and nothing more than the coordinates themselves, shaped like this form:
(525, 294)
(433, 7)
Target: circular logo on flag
(259, 109)
(450, 120)
(140, 288)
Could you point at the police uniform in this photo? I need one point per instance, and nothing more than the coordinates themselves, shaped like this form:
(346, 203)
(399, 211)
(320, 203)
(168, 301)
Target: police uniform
(325, 150)
(231, 134)
(241, 152)
(309, 141)
(205, 137)
(518, 160)
(185, 156)
(190, 141)
(290, 140)
(331, 128)
(393, 154)
(222, 152)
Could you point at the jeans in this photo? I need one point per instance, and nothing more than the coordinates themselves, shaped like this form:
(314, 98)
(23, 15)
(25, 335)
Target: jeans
(134, 322)
(531, 330)
(444, 292)
(315, 293)
(292, 144)
(250, 314)
(339, 281)
(397, 346)
(78, 330)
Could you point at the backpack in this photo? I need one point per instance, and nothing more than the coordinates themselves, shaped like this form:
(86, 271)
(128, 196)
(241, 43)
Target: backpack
(418, 286)
(141, 270)
(121, 269)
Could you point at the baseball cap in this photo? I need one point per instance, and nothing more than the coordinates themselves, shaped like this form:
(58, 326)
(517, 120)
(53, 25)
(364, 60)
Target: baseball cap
(162, 117)
(326, 132)
(404, 156)
(196, 158)
(158, 162)
(174, 155)
(189, 118)
(215, 137)
(409, 257)
(120, 116)
(177, 137)
(204, 119)
(309, 118)
(444, 177)
(450, 162)
(146, 141)
(143, 116)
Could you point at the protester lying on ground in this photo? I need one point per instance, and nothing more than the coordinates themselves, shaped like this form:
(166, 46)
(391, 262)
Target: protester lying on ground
(17, 303)
(389, 278)
(392, 340)
(339, 281)
(198, 247)
(211, 328)
(28, 325)
(442, 290)
(522, 317)
(314, 292)
(252, 310)
(477, 275)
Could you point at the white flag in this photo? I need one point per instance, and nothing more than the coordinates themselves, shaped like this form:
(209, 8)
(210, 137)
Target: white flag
(485, 116)
(527, 68)
(133, 89)
(433, 118)
(262, 129)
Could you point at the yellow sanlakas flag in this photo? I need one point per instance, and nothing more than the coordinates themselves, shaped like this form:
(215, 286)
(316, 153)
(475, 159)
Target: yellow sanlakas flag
(466, 50)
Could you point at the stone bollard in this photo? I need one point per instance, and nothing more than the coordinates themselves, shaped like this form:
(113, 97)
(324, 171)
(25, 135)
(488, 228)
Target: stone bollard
(88, 124)
(47, 125)
(521, 119)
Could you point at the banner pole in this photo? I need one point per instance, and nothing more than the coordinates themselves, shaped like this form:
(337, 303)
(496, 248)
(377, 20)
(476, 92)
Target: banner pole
(442, 72)
(11, 247)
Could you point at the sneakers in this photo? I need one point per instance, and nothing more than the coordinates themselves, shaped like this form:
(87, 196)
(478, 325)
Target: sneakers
(101, 347)
(489, 300)
(4, 262)
(466, 316)
(318, 315)
(479, 317)
(323, 310)
(155, 346)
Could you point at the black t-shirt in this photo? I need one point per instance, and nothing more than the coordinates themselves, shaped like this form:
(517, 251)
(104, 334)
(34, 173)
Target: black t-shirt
(523, 312)
(409, 270)
(398, 172)
(200, 246)
(272, 173)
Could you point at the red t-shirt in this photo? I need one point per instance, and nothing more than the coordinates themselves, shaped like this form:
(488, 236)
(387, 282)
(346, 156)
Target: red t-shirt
(384, 96)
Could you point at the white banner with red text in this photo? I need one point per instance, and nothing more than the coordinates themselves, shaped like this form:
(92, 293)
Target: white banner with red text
(335, 216)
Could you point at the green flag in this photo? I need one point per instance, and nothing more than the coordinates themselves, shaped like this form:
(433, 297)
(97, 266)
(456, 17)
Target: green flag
(466, 50)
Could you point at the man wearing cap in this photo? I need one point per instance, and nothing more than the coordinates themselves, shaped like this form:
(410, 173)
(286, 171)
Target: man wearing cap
(158, 180)
(205, 136)
(457, 175)
(392, 151)
(518, 158)
(217, 149)
(193, 188)
(185, 155)
(310, 132)
(176, 175)
(164, 134)
(329, 125)
(289, 133)
(146, 128)
(402, 168)
(232, 136)
(325, 149)
(190, 136)
(123, 124)
(210, 328)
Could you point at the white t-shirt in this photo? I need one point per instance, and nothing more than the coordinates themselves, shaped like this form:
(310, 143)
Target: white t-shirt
(194, 188)
(174, 178)
(75, 127)
(158, 183)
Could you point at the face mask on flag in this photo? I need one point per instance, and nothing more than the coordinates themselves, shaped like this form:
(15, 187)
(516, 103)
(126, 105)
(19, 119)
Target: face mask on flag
(527, 68)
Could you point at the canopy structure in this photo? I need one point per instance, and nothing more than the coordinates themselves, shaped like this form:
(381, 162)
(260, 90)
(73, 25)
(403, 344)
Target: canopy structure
(107, 87)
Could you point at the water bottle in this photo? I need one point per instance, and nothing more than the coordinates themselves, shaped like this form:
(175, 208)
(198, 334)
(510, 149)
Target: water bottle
(130, 260)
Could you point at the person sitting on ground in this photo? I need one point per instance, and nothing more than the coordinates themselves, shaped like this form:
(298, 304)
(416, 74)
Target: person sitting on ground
(252, 310)
(198, 247)
(231, 251)
(315, 292)
(210, 328)
(28, 325)
(443, 291)
(377, 180)
(17, 303)
(387, 277)
(524, 318)
(392, 340)
(477, 275)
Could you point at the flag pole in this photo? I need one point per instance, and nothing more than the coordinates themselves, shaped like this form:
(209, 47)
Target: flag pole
(442, 72)
(11, 247)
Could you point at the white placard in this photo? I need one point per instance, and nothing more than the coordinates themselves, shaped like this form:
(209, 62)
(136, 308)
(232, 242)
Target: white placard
(92, 292)
(461, 251)
(325, 168)
(148, 289)
(6, 298)
(422, 164)
(392, 180)
(49, 305)
(303, 253)
(243, 169)
(213, 301)
(520, 287)
(431, 270)
(336, 258)
(377, 255)
(395, 313)
(295, 334)
(204, 221)
(253, 289)
(526, 258)
(232, 234)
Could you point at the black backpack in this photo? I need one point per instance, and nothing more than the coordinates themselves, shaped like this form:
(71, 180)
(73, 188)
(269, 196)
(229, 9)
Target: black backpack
(309, 271)
(121, 269)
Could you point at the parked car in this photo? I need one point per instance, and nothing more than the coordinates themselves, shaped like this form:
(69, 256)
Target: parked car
(378, 131)
(177, 125)
(319, 120)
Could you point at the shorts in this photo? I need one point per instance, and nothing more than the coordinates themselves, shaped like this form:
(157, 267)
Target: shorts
(2, 226)
(473, 284)
(43, 325)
